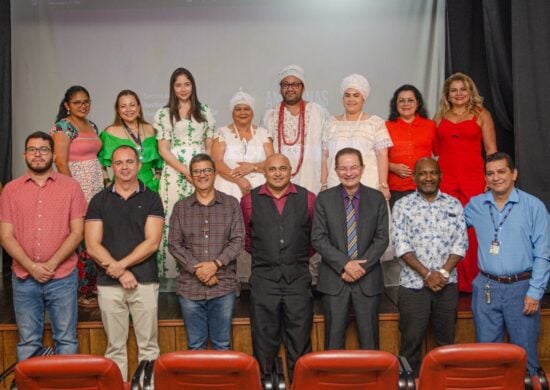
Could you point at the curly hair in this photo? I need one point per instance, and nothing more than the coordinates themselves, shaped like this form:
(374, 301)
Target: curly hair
(420, 109)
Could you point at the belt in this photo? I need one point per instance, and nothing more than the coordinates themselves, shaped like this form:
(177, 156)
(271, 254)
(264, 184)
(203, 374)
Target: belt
(508, 279)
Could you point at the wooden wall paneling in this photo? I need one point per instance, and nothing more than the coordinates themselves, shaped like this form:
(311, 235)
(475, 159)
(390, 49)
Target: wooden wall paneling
(389, 335)
(98, 341)
(83, 336)
(132, 352)
(167, 339)
(10, 339)
(181, 339)
(241, 338)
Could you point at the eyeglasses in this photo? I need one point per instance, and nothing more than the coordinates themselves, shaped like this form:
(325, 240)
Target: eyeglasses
(295, 85)
(206, 171)
(354, 168)
(41, 150)
(80, 103)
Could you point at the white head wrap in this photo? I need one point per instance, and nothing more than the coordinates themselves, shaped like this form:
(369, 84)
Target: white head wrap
(358, 82)
(241, 97)
(293, 70)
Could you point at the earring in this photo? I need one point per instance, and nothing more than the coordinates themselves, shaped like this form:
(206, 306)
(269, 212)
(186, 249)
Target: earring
(68, 112)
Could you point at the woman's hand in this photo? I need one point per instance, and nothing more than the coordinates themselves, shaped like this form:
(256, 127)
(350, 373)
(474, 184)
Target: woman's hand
(244, 168)
(385, 192)
(401, 170)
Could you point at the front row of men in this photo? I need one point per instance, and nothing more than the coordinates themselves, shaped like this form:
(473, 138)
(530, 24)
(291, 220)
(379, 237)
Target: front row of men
(42, 222)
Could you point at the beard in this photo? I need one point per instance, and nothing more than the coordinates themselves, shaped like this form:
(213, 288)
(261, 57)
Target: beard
(39, 169)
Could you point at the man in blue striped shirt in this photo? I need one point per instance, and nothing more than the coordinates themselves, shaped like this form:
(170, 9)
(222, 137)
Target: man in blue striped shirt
(512, 229)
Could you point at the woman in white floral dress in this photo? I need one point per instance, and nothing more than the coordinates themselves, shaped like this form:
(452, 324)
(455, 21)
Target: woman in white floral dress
(184, 128)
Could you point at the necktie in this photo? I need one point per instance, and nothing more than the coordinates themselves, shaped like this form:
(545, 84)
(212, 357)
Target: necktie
(351, 229)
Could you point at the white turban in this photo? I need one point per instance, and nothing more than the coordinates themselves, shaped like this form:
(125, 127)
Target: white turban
(358, 82)
(293, 70)
(241, 98)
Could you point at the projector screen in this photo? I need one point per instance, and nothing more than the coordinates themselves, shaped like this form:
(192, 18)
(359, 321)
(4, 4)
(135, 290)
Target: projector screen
(110, 45)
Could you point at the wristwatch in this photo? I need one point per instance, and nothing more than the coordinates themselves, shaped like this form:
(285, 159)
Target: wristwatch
(444, 272)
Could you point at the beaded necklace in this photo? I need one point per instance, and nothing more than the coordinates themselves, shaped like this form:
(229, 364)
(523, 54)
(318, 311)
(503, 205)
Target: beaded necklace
(300, 136)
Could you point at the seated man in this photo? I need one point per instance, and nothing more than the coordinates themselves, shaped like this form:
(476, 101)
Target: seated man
(41, 225)
(123, 231)
(429, 235)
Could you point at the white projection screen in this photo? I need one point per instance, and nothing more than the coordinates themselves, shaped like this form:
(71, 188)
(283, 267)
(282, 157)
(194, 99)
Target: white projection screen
(110, 45)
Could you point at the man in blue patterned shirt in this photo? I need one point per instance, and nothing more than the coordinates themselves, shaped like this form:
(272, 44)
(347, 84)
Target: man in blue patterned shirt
(512, 230)
(429, 235)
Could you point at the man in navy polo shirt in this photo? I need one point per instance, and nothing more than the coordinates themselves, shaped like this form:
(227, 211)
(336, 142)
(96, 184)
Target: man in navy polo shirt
(123, 231)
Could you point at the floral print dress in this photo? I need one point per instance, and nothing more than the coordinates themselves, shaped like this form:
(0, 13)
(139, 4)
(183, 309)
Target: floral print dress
(187, 139)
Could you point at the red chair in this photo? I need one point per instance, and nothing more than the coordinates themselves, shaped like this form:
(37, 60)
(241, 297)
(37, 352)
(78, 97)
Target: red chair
(346, 370)
(75, 372)
(200, 370)
(474, 366)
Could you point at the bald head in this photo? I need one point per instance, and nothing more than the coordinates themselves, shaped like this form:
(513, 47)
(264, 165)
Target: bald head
(425, 161)
(277, 173)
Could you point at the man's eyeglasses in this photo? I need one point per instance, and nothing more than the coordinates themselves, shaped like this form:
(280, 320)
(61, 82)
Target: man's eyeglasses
(295, 85)
(206, 171)
(41, 150)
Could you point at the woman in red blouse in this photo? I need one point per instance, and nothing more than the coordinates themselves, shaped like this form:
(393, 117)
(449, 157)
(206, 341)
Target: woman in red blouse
(413, 136)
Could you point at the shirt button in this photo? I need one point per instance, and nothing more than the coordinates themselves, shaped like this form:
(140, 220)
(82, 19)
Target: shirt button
(206, 221)
(282, 241)
(206, 236)
(205, 251)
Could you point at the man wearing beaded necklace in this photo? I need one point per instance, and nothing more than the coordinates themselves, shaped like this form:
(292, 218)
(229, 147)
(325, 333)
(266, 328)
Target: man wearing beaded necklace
(296, 127)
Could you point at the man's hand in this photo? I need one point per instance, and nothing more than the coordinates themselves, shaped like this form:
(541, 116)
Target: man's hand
(205, 271)
(128, 280)
(347, 278)
(115, 269)
(212, 281)
(435, 281)
(354, 270)
(531, 306)
(41, 272)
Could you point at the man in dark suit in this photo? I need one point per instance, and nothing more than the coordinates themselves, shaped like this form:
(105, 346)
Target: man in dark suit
(350, 231)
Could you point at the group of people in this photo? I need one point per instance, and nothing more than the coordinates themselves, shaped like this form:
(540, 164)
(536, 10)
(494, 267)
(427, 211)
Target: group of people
(168, 209)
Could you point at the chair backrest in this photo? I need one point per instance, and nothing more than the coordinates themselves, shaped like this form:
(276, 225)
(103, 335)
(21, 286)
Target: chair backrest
(68, 372)
(479, 366)
(347, 370)
(200, 370)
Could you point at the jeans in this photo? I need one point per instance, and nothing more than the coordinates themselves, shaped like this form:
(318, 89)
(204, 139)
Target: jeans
(505, 312)
(208, 317)
(31, 299)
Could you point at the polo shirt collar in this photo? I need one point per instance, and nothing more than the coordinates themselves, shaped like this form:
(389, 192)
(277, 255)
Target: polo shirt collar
(437, 197)
(140, 188)
(414, 121)
(264, 190)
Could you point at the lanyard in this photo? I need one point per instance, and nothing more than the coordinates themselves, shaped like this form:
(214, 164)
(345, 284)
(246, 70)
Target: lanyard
(497, 228)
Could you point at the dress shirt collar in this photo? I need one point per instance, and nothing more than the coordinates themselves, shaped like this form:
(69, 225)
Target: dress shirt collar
(217, 199)
(52, 176)
(413, 123)
(355, 195)
(264, 190)
(489, 198)
(437, 197)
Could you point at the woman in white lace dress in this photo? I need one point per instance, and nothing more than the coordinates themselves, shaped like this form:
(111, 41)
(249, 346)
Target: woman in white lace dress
(357, 129)
(240, 149)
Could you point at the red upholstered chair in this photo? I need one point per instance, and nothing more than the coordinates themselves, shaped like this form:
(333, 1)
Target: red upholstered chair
(474, 366)
(75, 372)
(346, 370)
(201, 370)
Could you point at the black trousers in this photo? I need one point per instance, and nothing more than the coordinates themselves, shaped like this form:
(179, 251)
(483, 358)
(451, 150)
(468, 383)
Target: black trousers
(416, 308)
(281, 312)
(336, 310)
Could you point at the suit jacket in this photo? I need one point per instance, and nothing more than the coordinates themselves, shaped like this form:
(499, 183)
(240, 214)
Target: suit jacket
(330, 240)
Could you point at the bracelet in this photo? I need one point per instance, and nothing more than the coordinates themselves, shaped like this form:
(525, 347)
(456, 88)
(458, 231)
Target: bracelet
(255, 169)
(428, 275)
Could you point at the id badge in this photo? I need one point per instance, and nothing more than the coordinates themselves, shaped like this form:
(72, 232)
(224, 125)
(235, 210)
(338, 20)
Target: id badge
(494, 248)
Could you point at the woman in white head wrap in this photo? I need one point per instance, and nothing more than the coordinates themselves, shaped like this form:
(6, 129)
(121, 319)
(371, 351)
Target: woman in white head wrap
(240, 149)
(357, 129)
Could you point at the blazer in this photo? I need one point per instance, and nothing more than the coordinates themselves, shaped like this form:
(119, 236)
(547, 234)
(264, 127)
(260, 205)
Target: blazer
(330, 240)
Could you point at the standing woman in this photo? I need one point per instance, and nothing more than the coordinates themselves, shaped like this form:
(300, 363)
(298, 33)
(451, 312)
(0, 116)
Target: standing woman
(359, 130)
(240, 149)
(413, 137)
(131, 129)
(184, 128)
(76, 145)
(464, 126)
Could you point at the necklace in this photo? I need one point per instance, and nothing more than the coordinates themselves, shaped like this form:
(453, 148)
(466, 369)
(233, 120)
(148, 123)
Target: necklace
(244, 141)
(137, 140)
(300, 135)
(357, 120)
(459, 113)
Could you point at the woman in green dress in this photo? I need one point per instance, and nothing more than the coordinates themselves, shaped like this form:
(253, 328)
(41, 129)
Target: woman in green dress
(130, 128)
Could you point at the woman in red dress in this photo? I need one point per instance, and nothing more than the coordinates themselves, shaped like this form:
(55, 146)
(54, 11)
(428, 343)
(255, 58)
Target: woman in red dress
(464, 126)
